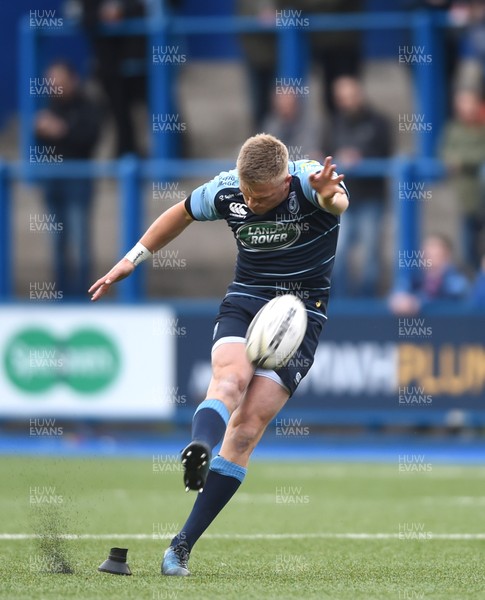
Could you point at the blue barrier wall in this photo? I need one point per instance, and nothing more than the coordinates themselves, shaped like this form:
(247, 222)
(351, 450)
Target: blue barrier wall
(370, 369)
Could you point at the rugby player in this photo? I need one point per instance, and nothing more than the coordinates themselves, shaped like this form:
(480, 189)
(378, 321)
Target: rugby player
(285, 218)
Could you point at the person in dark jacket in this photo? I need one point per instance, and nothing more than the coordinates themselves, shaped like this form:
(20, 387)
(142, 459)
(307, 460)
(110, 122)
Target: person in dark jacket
(120, 64)
(259, 51)
(337, 53)
(70, 127)
(358, 131)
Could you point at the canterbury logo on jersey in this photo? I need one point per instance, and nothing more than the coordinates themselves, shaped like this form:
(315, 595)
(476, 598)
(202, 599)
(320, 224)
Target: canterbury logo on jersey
(238, 210)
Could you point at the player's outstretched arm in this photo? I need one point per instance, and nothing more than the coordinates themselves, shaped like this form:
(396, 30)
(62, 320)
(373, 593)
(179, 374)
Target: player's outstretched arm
(162, 231)
(326, 183)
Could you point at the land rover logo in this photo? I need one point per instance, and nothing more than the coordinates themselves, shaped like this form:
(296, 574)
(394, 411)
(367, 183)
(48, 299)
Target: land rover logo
(268, 235)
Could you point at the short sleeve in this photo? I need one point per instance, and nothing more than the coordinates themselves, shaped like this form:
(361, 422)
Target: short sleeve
(201, 204)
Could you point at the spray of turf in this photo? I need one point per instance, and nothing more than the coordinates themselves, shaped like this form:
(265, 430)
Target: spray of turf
(50, 525)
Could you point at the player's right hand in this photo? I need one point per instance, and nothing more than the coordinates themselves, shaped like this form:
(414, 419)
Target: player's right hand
(120, 271)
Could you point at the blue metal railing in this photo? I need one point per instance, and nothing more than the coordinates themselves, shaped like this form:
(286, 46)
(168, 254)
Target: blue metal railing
(423, 25)
(130, 171)
(428, 85)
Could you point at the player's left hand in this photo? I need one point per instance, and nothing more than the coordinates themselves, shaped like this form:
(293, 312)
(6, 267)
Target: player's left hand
(326, 182)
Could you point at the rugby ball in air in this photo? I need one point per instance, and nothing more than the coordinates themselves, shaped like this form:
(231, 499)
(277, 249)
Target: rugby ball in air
(276, 332)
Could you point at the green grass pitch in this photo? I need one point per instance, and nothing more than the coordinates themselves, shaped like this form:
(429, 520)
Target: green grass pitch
(291, 532)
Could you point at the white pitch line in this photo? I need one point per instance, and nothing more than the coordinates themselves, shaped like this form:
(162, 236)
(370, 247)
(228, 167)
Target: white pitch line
(244, 536)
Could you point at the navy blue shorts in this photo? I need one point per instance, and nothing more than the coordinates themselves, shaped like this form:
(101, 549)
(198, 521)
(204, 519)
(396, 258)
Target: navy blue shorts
(236, 313)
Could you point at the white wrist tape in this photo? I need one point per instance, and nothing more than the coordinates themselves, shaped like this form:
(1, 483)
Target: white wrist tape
(138, 254)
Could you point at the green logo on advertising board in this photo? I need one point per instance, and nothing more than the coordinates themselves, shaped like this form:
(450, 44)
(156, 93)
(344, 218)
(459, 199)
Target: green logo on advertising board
(87, 360)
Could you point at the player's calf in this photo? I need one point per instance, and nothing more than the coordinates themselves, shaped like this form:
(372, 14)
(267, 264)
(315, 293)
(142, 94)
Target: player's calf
(241, 439)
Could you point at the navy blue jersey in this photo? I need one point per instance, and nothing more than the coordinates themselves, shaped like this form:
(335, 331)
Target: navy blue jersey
(289, 249)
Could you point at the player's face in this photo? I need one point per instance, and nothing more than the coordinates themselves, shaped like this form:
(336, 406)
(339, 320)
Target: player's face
(262, 197)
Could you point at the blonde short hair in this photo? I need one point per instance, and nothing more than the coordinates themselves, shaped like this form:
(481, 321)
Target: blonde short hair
(262, 159)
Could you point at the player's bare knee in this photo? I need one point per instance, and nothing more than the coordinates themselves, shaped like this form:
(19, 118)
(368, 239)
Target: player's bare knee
(230, 387)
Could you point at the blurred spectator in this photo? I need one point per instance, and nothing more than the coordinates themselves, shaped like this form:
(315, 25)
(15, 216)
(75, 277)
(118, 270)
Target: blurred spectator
(260, 53)
(437, 279)
(358, 131)
(448, 38)
(477, 295)
(120, 64)
(338, 53)
(471, 15)
(291, 122)
(71, 122)
(463, 150)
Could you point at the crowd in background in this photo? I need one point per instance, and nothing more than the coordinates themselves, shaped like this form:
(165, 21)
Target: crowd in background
(353, 130)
